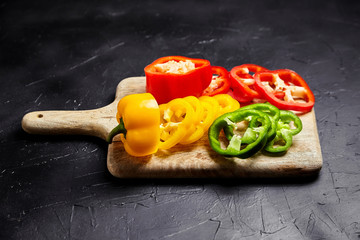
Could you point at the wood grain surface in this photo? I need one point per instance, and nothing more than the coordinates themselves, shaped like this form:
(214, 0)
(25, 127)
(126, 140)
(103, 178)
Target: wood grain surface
(96, 122)
(198, 160)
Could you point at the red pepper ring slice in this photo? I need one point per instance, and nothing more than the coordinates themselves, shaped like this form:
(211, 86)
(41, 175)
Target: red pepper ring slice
(242, 80)
(165, 86)
(220, 82)
(239, 96)
(291, 79)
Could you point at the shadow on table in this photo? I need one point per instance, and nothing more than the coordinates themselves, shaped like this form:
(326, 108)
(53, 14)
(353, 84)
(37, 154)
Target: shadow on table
(63, 141)
(214, 181)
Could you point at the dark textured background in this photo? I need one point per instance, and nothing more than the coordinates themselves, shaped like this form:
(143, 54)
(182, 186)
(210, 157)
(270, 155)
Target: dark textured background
(72, 54)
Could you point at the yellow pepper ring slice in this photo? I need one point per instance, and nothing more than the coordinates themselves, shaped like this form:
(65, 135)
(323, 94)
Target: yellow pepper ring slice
(195, 135)
(194, 132)
(209, 115)
(213, 102)
(164, 135)
(227, 103)
(198, 108)
(176, 117)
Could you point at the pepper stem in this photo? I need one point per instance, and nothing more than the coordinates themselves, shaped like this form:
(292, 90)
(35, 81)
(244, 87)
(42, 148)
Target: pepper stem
(117, 130)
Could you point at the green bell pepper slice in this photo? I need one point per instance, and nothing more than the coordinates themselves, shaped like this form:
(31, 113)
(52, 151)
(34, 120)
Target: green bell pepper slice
(273, 113)
(284, 132)
(254, 138)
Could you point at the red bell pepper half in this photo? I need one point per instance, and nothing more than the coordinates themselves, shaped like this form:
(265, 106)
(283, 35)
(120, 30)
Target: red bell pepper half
(242, 80)
(220, 82)
(296, 94)
(165, 86)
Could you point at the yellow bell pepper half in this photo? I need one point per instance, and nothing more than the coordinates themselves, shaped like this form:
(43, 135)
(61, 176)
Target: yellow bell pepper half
(140, 135)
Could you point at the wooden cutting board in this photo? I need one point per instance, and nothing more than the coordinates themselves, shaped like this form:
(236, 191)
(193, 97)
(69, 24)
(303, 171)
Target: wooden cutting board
(196, 160)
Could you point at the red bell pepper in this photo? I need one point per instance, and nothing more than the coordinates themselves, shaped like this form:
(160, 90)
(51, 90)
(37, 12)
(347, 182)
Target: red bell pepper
(296, 93)
(242, 80)
(220, 82)
(165, 86)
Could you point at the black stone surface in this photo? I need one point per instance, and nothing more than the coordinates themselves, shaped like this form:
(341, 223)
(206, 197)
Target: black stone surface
(70, 55)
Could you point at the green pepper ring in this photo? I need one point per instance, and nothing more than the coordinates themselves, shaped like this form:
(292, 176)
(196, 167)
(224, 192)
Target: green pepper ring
(273, 113)
(237, 116)
(284, 132)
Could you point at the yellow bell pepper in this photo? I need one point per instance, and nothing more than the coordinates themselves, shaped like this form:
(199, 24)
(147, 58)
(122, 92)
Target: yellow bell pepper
(186, 120)
(213, 102)
(139, 119)
(227, 103)
(201, 127)
(208, 116)
(176, 118)
(196, 130)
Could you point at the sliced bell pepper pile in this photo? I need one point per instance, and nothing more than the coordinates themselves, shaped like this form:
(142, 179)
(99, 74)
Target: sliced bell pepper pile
(240, 146)
(239, 96)
(213, 102)
(243, 81)
(177, 117)
(296, 94)
(220, 82)
(272, 112)
(226, 103)
(173, 77)
(196, 130)
(140, 135)
(196, 98)
(284, 132)
(244, 139)
(186, 120)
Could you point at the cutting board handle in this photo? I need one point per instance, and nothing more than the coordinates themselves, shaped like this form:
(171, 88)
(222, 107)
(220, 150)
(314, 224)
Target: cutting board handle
(98, 122)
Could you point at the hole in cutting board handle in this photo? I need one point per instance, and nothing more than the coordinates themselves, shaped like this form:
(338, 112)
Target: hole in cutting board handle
(40, 115)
